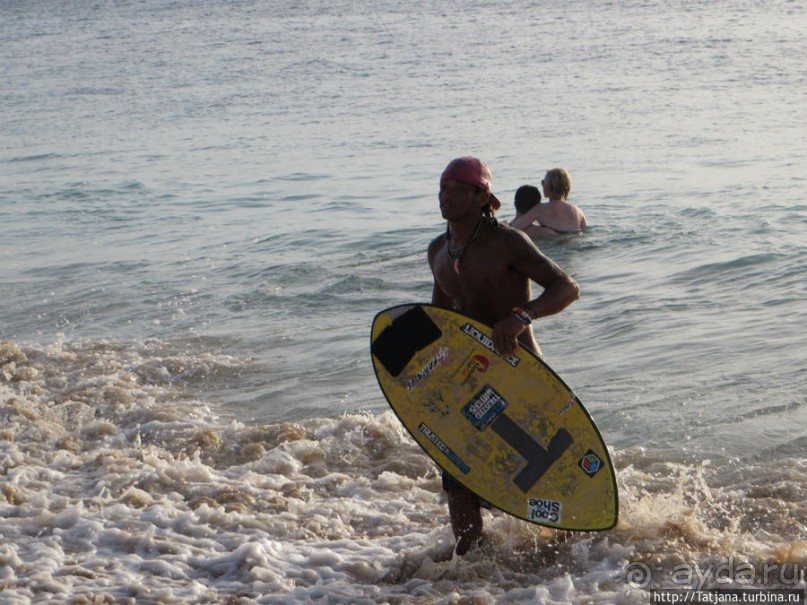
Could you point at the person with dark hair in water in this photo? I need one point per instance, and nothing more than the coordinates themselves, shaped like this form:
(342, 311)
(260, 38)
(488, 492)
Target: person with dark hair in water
(484, 269)
(526, 198)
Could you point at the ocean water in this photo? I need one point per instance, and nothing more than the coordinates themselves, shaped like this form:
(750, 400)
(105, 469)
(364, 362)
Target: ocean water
(203, 205)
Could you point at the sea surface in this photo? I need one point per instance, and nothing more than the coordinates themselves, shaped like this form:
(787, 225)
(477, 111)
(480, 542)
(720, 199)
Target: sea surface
(204, 204)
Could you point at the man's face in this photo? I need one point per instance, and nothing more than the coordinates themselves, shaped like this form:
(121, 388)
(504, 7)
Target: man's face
(459, 200)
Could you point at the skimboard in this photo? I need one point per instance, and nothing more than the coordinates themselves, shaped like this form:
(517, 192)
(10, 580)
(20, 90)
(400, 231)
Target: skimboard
(508, 428)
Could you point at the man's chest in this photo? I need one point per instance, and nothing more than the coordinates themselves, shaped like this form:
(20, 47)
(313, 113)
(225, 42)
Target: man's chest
(477, 273)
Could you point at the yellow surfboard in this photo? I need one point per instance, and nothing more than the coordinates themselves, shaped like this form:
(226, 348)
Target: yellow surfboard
(508, 428)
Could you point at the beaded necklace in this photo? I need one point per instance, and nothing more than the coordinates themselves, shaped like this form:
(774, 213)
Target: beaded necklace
(458, 252)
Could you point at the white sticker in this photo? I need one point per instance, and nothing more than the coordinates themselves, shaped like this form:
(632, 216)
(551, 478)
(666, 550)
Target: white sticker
(544, 511)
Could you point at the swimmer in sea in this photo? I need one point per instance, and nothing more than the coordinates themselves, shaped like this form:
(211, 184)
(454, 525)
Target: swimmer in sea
(526, 198)
(558, 216)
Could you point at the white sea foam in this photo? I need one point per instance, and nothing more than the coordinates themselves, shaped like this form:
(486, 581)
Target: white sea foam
(146, 495)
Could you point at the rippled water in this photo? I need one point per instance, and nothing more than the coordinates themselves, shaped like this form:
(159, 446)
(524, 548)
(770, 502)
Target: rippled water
(202, 206)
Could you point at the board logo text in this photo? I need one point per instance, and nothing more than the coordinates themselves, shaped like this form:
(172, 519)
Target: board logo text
(440, 445)
(487, 342)
(544, 511)
(440, 357)
(485, 407)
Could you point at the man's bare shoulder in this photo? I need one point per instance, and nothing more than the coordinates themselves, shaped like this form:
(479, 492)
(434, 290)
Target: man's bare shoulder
(515, 239)
(437, 242)
(435, 245)
(439, 239)
(521, 249)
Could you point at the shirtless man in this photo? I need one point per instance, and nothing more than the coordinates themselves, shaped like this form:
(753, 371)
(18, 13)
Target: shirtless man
(558, 216)
(484, 270)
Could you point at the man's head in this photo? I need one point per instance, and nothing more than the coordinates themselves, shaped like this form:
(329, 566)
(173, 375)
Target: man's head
(527, 196)
(472, 171)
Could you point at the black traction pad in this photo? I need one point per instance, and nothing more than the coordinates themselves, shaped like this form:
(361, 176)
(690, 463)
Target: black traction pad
(398, 343)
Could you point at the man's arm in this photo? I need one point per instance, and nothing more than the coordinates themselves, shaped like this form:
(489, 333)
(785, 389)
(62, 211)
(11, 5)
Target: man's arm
(559, 288)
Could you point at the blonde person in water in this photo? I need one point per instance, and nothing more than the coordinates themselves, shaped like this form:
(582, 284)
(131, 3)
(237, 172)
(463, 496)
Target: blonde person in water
(556, 217)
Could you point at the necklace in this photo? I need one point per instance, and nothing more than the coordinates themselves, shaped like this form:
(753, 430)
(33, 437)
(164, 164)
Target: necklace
(458, 252)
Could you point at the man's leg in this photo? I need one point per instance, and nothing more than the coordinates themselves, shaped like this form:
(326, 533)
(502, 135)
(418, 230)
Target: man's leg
(465, 512)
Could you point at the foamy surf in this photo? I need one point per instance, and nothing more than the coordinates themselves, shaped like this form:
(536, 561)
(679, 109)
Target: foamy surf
(117, 487)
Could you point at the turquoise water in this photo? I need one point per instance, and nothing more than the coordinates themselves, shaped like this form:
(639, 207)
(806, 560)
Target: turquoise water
(202, 207)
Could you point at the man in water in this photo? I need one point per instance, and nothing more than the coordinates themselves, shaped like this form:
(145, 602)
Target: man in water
(484, 270)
